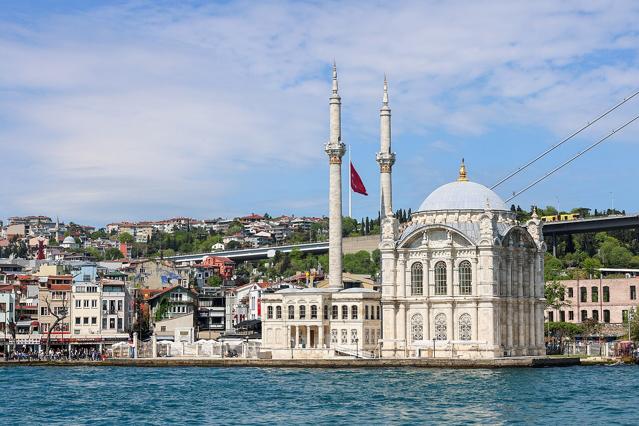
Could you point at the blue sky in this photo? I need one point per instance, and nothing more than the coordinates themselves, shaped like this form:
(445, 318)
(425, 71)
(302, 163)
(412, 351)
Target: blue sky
(129, 110)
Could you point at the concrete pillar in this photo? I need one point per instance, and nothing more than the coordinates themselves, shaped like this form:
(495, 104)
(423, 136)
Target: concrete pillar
(427, 279)
(154, 346)
(401, 274)
(475, 332)
(475, 277)
(449, 276)
(297, 336)
(135, 344)
(532, 342)
(321, 336)
(509, 322)
(401, 327)
(308, 336)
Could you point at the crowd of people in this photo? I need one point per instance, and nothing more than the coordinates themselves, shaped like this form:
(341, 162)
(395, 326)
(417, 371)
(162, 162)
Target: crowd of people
(85, 354)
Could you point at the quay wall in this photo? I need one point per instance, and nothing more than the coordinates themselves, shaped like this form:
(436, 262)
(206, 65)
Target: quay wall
(519, 362)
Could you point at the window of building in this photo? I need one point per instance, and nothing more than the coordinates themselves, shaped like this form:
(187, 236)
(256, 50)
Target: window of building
(606, 316)
(105, 305)
(269, 312)
(417, 327)
(354, 338)
(325, 312)
(104, 323)
(624, 316)
(551, 316)
(120, 324)
(94, 320)
(465, 327)
(417, 279)
(112, 323)
(278, 312)
(633, 292)
(465, 278)
(302, 311)
(335, 312)
(78, 304)
(366, 336)
(334, 335)
(594, 294)
(379, 316)
(595, 315)
(313, 311)
(606, 294)
(440, 327)
(291, 312)
(44, 310)
(562, 316)
(344, 339)
(344, 312)
(365, 312)
(583, 296)
(584, 315)
(571, 293)
(94, 303)
(77, 320)
(85, 321)
(354, 312)
(85, 303)
(440, 279)
(571, 316)
(119, 305)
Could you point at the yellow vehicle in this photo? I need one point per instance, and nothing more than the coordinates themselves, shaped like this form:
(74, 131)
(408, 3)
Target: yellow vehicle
(561, 217)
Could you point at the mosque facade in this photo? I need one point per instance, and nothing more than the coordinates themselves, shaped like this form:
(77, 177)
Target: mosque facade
(462, 279)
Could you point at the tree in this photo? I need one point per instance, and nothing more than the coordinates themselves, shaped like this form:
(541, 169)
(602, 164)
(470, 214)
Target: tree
(100, 233)
(112, 254)
(555, 292)
(59, 315)
(214, 280)
(552, 267)
(633, 317)
(349, 226)
(125, 238)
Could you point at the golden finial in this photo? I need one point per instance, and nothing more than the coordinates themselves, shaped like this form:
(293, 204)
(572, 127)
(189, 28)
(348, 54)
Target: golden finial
(462, 173)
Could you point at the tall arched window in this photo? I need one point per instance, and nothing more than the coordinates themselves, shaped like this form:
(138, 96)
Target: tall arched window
(465, 278)
(440, 279)
(335, 311)
(440, 327)
(269, 312)
(344, 312)
(313, 311)
(354, 312)
(302, 312)
(417, 279)
(291, 312)
(417, 327)
(465, 327)
(278, 312)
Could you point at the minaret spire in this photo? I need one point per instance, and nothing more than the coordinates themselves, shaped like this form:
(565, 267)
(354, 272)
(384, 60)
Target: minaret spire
(335, 150)
(385, 157)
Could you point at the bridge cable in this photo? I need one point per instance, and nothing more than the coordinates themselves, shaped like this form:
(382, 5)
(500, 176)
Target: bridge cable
(552, 148)
(562, 165)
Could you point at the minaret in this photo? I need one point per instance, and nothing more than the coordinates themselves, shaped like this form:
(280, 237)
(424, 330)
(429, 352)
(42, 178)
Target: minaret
(335, 150)
(385, 157)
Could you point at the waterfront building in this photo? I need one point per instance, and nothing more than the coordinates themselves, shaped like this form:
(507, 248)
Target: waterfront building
(7, 315)
(324, 322)
(463, 278)
(211, 314)
(85, 309)
(606, 300)
(54, 298)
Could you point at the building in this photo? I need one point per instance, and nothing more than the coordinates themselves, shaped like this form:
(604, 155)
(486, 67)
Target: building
(211, 314)
(463, 278)
(331, 321)
(54, 299)
(606, 300)
(85, 308)
(7, 316)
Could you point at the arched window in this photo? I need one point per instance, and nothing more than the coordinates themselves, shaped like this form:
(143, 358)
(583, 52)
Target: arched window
(291, 312)
(278, 312)
(334, 312)
(606, 294)
(465, 327)
(440, 327)
(313, 311)
(417, 327)
(269, 312)
(417, 279)
(344, 312)
(440, 279)
(354, 312)
(302, 312)
(366, 312)
(465, 278)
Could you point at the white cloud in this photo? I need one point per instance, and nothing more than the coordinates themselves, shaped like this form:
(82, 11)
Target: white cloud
(143, 110)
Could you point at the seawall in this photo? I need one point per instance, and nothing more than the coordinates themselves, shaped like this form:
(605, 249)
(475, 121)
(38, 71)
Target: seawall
(517, 362)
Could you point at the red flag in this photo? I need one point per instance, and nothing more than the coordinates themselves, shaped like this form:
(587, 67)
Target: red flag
(356, 182)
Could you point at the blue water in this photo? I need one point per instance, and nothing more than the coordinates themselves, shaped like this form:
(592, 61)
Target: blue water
(112, 395)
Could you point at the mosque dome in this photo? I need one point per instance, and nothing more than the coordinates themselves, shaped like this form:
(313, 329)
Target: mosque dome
(462, 195)
(69, 240)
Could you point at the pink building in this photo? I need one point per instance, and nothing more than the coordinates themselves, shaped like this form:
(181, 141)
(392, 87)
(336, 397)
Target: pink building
(606, 300)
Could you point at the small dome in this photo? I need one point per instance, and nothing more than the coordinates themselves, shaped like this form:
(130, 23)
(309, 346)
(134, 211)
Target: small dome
(462, 195)
(69, 240)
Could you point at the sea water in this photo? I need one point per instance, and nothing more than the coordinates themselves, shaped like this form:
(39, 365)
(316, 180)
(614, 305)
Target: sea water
(130, 395)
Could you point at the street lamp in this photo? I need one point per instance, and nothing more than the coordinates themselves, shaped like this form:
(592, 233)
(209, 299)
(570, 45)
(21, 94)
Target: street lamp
(356, 348)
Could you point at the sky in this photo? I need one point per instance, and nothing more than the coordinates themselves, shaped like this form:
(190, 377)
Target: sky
(130, 110)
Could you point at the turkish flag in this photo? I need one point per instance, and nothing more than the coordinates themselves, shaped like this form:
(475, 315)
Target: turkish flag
(356, 182)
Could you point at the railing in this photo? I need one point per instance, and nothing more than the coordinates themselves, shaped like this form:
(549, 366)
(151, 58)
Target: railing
(357, 353)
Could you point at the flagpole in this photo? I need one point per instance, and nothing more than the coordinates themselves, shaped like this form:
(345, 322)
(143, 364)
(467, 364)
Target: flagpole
(350, 184)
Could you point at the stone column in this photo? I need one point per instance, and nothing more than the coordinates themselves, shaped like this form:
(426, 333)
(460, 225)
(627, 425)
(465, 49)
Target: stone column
(335, 150)
(532, 342)
(401, 327)
(321, 336)
(475, 323)
(385, 157)
(297, 336)
(401, 276)
(449, 276)
(308, 336)
(427, 279)
(475, 277)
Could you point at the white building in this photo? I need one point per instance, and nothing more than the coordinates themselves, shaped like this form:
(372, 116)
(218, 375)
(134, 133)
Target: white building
(463, 278)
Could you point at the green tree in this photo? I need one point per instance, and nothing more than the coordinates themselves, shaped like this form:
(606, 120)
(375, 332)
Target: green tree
(552, 267)
(214, 280)
(100, 233)
(591, 266)
(125, 238)
(112, 254)
(349, 227)
(555, 292)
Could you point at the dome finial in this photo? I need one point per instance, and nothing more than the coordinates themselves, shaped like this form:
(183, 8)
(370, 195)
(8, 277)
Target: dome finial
(462, 173)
